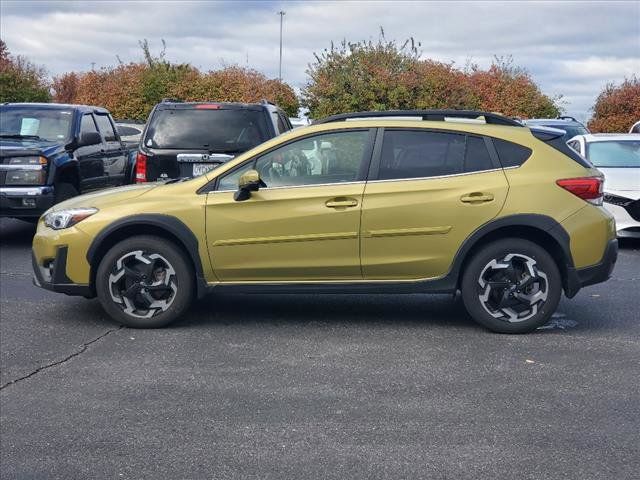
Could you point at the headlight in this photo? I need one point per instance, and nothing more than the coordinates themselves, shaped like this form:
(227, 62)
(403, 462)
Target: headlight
(29, 160)
(25, 177)
(67, 218)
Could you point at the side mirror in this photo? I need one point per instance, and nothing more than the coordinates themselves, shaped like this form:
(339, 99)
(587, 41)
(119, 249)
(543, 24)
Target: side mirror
(89, 138)
(248, 182)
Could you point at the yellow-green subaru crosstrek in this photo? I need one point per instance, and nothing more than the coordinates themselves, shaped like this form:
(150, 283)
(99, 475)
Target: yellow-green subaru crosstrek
(389, 202)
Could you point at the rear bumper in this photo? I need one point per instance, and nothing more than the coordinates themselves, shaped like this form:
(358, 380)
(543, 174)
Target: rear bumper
(12, 201)
(600, 272)
(53, 276)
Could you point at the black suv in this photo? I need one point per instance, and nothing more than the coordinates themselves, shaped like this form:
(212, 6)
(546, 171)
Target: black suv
(188, 139)
(570, 125)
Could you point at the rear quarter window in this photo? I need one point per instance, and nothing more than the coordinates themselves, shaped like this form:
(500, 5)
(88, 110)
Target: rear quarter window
(511, 154)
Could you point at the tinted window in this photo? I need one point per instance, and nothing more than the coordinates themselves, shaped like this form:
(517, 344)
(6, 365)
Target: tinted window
(216, 130)
(87, 125)
(477, 156)
(106, 128)
(511, 154)
(328, 158)
(611, 154)
(414, 154)
(48, 124)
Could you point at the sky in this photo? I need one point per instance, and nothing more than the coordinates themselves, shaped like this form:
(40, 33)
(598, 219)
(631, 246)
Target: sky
(572, 48)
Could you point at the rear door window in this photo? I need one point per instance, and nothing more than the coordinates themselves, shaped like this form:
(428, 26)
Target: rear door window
(422, 154)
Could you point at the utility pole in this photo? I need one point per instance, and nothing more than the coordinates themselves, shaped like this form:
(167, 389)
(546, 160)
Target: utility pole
(281, 13)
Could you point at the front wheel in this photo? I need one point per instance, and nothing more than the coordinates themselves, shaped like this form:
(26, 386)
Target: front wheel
(511, 286)
(145, 282)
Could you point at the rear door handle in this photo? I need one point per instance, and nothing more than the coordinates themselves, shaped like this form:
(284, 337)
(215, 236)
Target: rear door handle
(477, 197)
(341, 202)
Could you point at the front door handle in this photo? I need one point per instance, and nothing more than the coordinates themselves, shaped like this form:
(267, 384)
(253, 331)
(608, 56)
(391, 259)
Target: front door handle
(341, 202)
(477, 197)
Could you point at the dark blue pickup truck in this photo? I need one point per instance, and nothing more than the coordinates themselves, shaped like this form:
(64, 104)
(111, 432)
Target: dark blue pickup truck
(51, 152)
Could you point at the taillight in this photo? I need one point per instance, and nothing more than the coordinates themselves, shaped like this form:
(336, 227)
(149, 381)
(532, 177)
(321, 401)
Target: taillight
(587, 188)
(141, 168)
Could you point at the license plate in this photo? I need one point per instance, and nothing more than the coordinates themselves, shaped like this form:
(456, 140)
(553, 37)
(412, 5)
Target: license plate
(202, 168)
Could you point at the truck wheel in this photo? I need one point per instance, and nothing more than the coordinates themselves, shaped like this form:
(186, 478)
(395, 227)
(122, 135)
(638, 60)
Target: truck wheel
(145, 282)
(511, 286)
(64, 191)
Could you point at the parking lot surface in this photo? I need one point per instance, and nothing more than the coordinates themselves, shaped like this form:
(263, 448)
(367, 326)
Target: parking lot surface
(316, 386)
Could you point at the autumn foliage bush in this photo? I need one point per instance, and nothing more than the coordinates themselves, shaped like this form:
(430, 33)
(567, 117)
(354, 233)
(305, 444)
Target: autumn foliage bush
(21, 80)
(617, 107)
(384, 75)
(130, 91)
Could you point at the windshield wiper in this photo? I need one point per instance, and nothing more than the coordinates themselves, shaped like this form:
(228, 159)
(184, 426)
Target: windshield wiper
(17, 135)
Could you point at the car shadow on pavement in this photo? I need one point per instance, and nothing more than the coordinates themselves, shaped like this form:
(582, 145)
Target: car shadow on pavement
(16, 232)
(328, 309)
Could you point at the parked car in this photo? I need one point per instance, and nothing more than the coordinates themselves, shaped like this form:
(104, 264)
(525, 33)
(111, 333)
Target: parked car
(297, 122)
(635, 128)
(52, 152)
(508, 215)
(570, 125)
(130, 132)
(189, 139)
(617, 156)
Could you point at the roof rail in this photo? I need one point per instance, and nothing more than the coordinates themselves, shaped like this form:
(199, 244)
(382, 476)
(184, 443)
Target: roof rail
(264, 101)
(566, 117)
(428, 115)
(170, 100)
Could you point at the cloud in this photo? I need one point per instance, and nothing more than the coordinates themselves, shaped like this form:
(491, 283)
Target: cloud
(570, 48)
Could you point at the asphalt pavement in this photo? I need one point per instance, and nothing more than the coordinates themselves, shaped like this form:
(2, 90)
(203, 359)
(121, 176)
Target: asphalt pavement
(316, 386)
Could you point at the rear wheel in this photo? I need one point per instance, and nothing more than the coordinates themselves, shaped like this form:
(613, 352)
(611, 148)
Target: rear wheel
(145, 282)
(511, 286)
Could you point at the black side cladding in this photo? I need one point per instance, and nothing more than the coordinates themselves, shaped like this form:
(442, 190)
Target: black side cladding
(557, 142)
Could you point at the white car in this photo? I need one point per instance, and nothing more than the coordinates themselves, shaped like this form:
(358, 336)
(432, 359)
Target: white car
(617, 156)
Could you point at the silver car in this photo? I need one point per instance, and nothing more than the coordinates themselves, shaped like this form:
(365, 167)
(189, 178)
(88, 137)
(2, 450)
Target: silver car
(617, 156)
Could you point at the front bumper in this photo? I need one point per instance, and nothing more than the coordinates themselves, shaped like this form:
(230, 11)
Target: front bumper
(53, 276)
(598, 273)
(12, 201)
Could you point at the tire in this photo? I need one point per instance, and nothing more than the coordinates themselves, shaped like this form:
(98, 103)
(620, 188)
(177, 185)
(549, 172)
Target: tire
(511, 286)
(64, 191)
(157, 276)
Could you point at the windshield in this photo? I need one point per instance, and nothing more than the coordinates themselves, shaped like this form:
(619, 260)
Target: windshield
(618, 153)
(39, 124)
(222, 131)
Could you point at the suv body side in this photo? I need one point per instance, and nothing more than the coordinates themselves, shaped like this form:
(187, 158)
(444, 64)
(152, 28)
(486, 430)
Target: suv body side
(219, 223)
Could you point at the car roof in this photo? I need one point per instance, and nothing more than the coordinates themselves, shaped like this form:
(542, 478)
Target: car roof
(607, 137)
(57, 106)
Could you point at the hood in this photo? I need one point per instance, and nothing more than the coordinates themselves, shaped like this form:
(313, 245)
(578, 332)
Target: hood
(109, 197)
(11, 147)
(622, 181)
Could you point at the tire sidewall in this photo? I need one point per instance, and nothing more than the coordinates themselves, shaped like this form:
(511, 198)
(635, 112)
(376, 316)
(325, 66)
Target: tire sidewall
(497, 250)
(183, 277)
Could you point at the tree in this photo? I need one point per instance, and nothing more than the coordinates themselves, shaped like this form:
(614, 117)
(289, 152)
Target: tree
(617, 107)
(362, 76)
(510, 90)
(384, 75)
(21, 80)
(131, 90)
